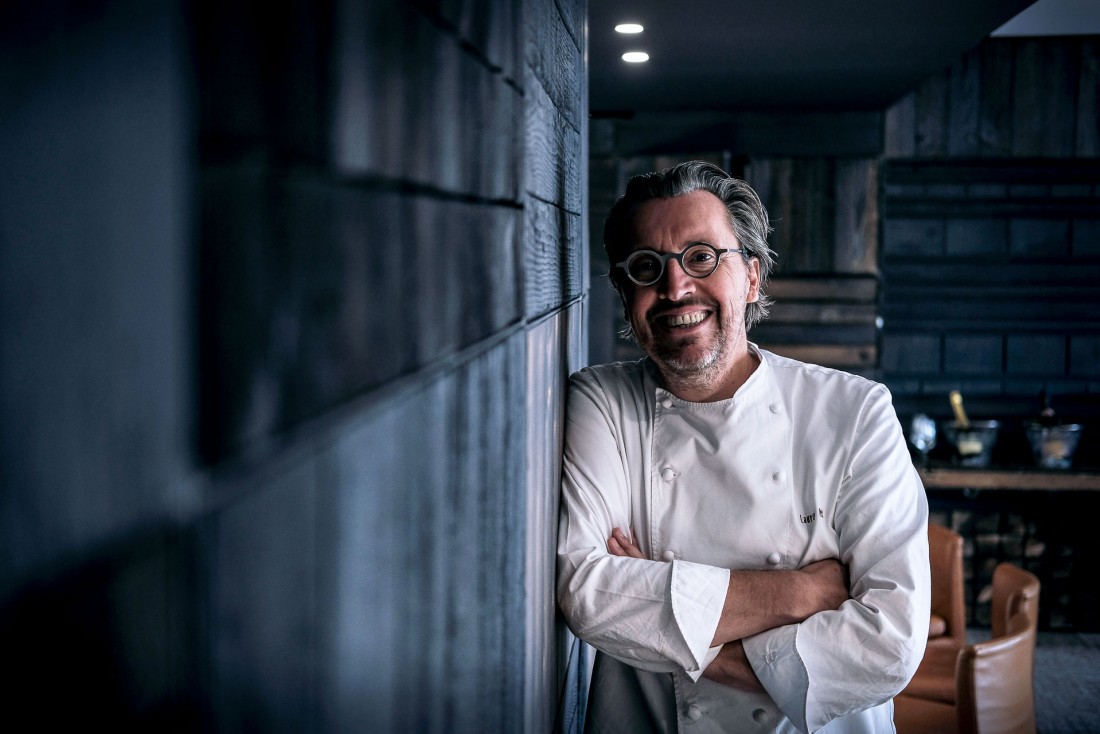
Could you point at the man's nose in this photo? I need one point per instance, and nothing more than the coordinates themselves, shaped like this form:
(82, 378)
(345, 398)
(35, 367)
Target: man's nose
(675, 284)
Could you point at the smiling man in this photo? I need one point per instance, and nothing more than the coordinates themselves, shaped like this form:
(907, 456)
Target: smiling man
(743, 537)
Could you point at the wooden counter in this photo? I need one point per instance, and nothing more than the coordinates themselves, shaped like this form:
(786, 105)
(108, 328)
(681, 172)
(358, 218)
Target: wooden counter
(950, 477)
(1041, 520)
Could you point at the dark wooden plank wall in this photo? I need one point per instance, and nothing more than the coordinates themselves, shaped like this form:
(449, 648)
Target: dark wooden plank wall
(824, 213)
(991, 225)
(303, 422)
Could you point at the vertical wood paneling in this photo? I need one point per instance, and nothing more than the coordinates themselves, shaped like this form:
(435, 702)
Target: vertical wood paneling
(549, 350)
(1029, 97)
(1088, 100)
(553, 265)
(553, 149)
(555, 258)
(856, 239)
(900, 128)
(346, 180)
(388, 531)
(931, 119)
(427, 540)
(964, 99)
(552, 56)
(490, 27)
(1044, 99)
(94, 321)
(396, 72)
(263, 584)
(995, 131)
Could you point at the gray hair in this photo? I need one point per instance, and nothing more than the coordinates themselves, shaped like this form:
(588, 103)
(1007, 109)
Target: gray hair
(747, 216)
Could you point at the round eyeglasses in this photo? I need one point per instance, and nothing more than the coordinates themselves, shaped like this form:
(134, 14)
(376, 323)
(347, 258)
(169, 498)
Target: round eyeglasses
(645, 267)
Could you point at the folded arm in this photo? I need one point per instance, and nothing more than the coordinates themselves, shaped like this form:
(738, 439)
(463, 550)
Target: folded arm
(757, 601)
(839, 662)
(761, 600)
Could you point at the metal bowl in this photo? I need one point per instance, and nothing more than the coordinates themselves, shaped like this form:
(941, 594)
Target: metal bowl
(974, 444)
(1054, 446)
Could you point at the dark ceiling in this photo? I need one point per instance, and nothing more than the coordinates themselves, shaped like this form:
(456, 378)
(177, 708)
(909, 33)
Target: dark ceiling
(778, 55)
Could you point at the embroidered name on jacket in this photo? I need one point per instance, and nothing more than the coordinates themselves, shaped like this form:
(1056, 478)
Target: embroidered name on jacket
(811, 517)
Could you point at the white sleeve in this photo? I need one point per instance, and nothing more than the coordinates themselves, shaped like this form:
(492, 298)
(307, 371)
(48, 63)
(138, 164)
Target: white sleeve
(839, 662)
(653, 615)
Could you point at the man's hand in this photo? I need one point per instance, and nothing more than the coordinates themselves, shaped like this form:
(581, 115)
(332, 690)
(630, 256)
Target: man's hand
(619, 544)
(761, 600)
(825, 584)
(731, 668)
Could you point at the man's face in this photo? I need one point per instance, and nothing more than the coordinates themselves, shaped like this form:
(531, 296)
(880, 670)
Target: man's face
(691, 327)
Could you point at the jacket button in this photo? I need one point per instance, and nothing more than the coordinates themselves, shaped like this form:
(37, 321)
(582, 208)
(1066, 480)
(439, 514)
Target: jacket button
(694, 712)
(760, 716)
(773, 558)
(668, 474)
(774, 407)
(777, 476)
(669, 556)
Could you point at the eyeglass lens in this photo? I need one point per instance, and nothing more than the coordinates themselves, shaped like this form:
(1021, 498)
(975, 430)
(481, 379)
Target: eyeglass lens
(646, 267)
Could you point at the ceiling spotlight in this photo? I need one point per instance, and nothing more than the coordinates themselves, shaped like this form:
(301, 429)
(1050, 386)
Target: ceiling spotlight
(635, 57)
(629, 28)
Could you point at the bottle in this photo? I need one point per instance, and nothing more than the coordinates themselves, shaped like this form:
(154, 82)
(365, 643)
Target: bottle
(961, 421)
(1047, 416)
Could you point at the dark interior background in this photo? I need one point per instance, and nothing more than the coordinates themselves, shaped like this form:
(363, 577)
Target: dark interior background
(289, 293)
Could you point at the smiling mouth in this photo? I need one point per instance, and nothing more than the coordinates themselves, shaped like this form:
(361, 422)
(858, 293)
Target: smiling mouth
(686, 319)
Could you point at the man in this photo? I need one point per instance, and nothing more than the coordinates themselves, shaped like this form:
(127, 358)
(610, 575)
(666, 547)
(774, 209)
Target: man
(743, 536)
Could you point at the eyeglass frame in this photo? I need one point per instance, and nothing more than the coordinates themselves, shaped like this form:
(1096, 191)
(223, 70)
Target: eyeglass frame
(679, 258)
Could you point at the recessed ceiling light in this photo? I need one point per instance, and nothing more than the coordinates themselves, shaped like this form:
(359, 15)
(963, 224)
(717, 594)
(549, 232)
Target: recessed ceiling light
(635, 57)
(629, 28)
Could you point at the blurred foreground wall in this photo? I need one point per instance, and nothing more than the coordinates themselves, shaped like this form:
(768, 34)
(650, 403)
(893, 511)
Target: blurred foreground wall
(288, 293)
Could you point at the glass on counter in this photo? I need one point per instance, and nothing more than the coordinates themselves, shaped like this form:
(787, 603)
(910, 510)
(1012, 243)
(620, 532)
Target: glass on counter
(1054, 446)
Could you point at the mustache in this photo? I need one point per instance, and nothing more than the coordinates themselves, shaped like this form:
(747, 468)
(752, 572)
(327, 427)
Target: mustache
(664, 308)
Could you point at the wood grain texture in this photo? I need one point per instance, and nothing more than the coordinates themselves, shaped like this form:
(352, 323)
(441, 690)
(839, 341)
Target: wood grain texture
(850, 358)
(292, 235)
(857, 224)
(1036, 354)
(489, 28)
(900, 133)
(996, 85)
(263, 595)
(1044, 99)
(931, 117)
(988, 279)
(553, 56)
(554, 271)
(964, 105)
(909, 353)
(397, 74)
(553, 145)
(1088, 100)
(554, 350)
(843, 290)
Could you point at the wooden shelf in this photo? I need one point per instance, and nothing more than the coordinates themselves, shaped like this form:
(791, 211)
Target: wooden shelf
(1011, 479)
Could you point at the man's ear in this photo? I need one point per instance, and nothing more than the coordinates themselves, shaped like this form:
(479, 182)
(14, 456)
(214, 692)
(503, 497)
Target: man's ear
(752, 293)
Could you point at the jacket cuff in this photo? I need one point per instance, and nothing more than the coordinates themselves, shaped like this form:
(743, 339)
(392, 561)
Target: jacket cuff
(698, 596)
(775, 659)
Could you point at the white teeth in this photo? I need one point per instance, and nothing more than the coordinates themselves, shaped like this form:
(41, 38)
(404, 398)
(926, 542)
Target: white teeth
(687, 319)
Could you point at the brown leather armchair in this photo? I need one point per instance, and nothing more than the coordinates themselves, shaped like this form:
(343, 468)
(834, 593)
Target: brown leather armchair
(994, 680)
(945, 555)
(935, 677)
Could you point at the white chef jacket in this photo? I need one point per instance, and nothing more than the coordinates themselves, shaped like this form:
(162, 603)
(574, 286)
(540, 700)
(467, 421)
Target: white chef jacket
(804, 463)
